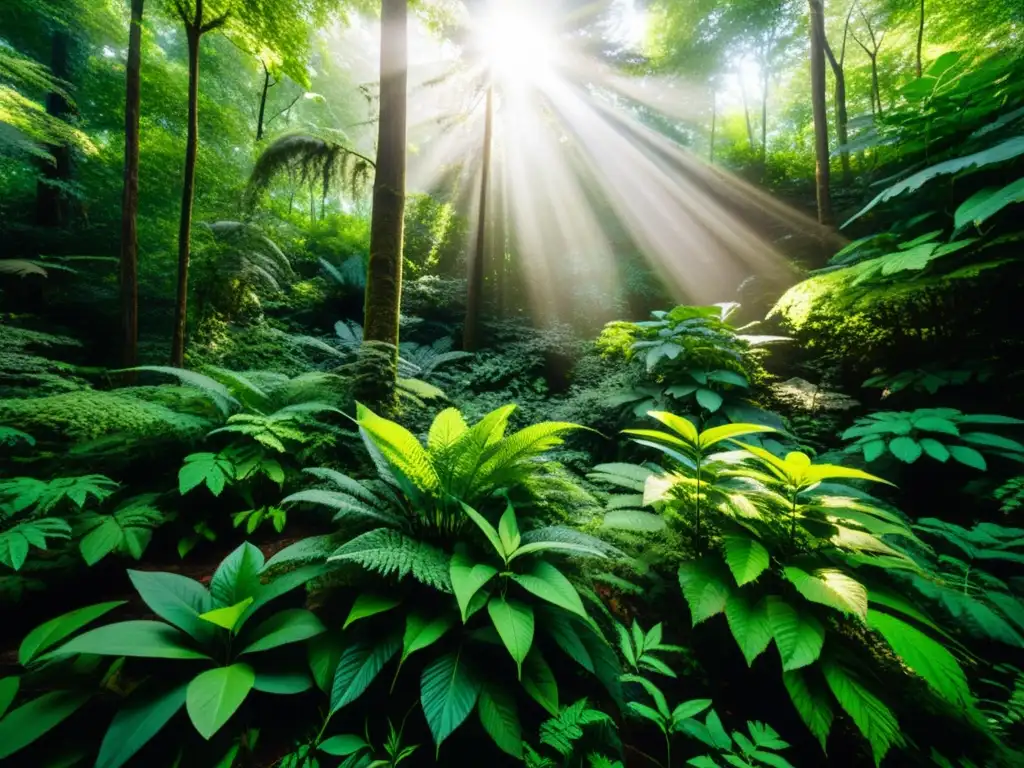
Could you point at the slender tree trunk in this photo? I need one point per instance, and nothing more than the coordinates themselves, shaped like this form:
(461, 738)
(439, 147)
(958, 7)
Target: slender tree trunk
(130, 199)
(764, 124)
(384, 279)
(194, 35)
(842, 117)
(874, 85)
(746, 115)
(920, 39)
(817, 19)
(263, 104)
(52, 204)
(475, 287)
(714, 119)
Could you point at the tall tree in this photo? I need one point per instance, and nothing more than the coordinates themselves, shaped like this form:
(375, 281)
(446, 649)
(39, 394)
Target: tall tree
(816, 13)
(920, 38)
(384, 279)
(475, 292)
(130, 200)
(839, 73)
(875, 37)
(196, 25)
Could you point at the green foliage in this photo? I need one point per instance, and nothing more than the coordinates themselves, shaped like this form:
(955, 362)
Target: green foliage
(940, 433)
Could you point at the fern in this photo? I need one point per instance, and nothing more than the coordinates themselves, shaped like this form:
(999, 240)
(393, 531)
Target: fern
(41, 496)
(16, 541)
(389, 552)
(125, 531)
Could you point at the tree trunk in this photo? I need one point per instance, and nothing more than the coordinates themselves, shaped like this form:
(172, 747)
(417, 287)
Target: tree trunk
(263, 104)
(384, 279)
(194, 34)
(874, 85)
(475, 286)
(764, 123)
(821, 174)
(52, 205)
(746, 115)
(920, 39)
(130, 198)
(842, 116)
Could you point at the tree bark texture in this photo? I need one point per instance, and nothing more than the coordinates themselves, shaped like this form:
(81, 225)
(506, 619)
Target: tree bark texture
(475, 285)
(820, 111)
(384, 279)
(263, 104)
(130, 195)
(194, 34)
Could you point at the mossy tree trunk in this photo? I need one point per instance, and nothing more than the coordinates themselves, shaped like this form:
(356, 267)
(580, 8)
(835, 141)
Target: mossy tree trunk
(818, 107)
(130, 198)
(384, 274)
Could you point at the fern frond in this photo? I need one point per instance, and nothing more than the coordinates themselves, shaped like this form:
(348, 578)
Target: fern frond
(346, 506)
(388, 552)
(15, 542)
(209, 386)
(501, 459)
(346, 484)
(630, 476)
(240, 387)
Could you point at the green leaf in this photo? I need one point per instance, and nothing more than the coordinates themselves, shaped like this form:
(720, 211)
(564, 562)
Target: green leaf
(548, 583)
(747, 558)
(401, 449)
(749, 626)
(986, 204)
(812, 702)
(988, 440)
(681, 426)
(370, 604)
(514, 622)
(968, 457)
(539, 681)
(227, 617)
(215, 695)
(36, 718)
(704, 589)
(500, 718)
(468, 579)
(709, 399)
(137, 722)
(422, 631)
(146, 639)
(488, 530)
(925, 656)
(323, 653)
(936, 424)
(177, 599)
(343, 745)
(798, 636)
(53, 631)
(872, 718)
(935, 449)
(689, 709)
(508, 530)
(716, 435)
(289, 626)
(831, 587)
(238, 575)
(717, 732)
(358, 667)
(8, 690)
(448, 692)
(873, 449)
(283, 682)
(906, 449)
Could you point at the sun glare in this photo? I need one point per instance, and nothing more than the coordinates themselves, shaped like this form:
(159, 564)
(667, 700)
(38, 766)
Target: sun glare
(516, 40)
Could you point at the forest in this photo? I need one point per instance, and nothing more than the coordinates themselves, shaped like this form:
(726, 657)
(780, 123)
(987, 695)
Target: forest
(558, 383)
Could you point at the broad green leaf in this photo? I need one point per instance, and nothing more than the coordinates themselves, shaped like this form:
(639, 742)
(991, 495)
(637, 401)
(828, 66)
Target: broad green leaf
(873, 449)
(812, 702)
(709, 399)
(548, 583)
(716, 435)
(968, 457)
(238, 576)
(986, 204)
(47, 635)
(682, 427)
(906, 449)
(323, 653)
(634, 520)
(749, 625)
(566, 632)
(648, 713)
(690, 709)
(718, 735)
(289, 626)
(817, 473)
(539, 681)
(831, 587)
(227, 617)
(422, 631)
(874, 720)
(146, 639)
(500, 718)
(488, 530)
(467, 579)
(988, 440)
(508, 530)
(283, 682)
(8, 690)
(514, 622)
(358, 667)
(925, 656)
(704, 588)
(370, 604)
(448, 692)
(936, 424)
(935, 449)
(343, 745)
(747, 558)
(36, 718)
(176, 599)
(215, 695)
(137, 722)
(798, 636)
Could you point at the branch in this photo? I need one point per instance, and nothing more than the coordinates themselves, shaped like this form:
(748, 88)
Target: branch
(182, 12)
(218, 22)
(857, 40)
(268, 122)
(846, 32)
